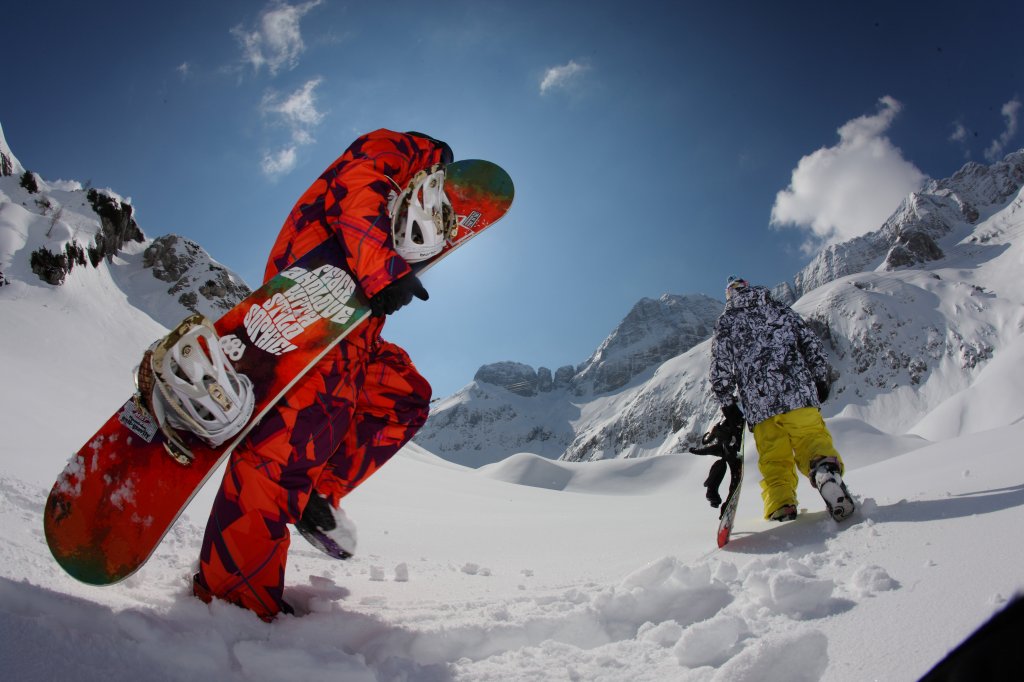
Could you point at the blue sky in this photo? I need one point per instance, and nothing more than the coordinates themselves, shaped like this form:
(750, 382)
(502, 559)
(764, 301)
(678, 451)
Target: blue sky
(657, 147)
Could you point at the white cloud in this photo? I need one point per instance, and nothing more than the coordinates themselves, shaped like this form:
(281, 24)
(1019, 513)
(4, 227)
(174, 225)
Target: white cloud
(299, 114)
(959, 133)
(298, 110)
(961, 137)
(281, 162)
(847, 190)
(184, 70)
(277, 40)
(561, 76)
(1010, 112)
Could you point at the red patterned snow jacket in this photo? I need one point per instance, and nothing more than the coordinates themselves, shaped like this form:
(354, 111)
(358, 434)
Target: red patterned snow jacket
(349, 202)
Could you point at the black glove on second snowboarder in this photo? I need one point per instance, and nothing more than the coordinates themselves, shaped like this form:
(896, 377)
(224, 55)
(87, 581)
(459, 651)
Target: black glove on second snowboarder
(723, 440)
(397, 294)
(733, 416)
(823, 388)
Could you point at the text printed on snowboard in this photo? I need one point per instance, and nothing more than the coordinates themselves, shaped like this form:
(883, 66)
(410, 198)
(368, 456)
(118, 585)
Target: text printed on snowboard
(317, 294)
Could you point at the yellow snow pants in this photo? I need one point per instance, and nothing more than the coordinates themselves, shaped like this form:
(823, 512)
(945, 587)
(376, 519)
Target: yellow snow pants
(785, 443)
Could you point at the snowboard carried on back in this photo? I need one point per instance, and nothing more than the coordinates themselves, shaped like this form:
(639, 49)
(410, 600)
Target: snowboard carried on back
(122, 491)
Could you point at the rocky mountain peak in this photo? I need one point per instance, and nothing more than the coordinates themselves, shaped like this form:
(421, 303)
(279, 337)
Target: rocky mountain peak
(941, 209)
(51, 230)
(653, 331)
(511, 407)
(200, 284)
(524, 380)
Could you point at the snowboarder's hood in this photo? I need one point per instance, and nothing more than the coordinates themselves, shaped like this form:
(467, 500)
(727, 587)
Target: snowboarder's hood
(747, 298)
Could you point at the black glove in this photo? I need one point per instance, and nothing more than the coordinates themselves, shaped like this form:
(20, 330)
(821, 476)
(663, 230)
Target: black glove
(397, 294)
(823, 388)
(733, 416)
(723, 440)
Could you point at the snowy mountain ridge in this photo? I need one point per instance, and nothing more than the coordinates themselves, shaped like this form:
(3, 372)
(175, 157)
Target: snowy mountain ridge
(909, 235)
(652, 332)
(910, 314)
(936, 301)
(55, 231)
(510, 407)
(9, 164)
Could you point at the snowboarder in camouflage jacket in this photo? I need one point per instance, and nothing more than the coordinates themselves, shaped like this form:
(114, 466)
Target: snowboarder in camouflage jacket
(765, 360)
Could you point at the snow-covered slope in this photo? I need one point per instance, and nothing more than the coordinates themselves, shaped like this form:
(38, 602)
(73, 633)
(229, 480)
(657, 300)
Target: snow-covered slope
(532, 569)
(117, 292)
(911, 316)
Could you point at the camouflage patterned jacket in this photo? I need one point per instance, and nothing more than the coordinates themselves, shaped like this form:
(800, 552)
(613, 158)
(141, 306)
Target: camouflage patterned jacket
(765, 352)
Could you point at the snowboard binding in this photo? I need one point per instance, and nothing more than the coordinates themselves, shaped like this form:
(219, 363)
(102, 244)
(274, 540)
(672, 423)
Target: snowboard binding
(422, 218)
(326, 528)
(187, 384)
(827, 479)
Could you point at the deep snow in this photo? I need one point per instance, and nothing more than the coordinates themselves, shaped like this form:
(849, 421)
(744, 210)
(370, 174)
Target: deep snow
(526, 569)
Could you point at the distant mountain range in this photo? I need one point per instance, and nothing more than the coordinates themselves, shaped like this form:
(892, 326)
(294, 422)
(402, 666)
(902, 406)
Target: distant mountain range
(915, 316)
(910, 315)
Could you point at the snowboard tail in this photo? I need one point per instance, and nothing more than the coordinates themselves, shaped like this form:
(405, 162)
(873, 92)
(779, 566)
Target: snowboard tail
(122, 491)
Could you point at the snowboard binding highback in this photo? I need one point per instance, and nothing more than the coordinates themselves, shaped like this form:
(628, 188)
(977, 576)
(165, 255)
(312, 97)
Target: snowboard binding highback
(187, 384)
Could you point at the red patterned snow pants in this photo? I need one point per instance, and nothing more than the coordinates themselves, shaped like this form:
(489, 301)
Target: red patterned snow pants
(337, 426)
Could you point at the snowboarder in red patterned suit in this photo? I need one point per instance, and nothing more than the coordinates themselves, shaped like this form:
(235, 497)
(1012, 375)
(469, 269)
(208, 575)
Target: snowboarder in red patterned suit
(353, 410)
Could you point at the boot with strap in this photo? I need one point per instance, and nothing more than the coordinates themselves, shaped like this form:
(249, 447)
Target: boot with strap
(825, 477)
